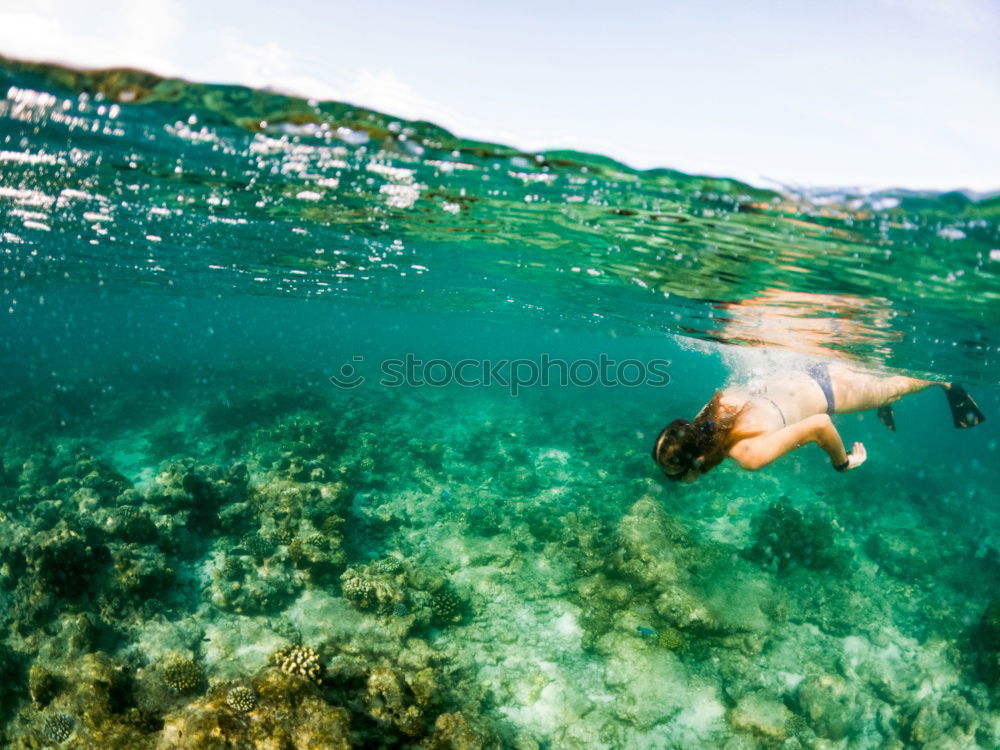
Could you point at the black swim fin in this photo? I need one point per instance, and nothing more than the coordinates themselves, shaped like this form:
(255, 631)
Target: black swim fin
(887, 417)
(963, 409)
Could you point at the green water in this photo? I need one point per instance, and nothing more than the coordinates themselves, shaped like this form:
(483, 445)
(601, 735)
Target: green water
(207, 543)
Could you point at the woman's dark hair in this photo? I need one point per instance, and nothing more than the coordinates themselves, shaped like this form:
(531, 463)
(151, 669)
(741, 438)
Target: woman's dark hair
(701, 445)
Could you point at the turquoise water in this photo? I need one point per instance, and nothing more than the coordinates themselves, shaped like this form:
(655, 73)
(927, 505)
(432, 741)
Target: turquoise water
(206, 542)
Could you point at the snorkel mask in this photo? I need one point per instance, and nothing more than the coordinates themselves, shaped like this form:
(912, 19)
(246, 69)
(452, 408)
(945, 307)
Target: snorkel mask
(680, 446)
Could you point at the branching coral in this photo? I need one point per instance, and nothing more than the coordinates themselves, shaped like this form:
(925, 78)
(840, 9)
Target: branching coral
(299, 660)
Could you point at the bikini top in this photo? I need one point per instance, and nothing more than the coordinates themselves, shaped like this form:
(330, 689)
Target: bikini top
(761, 392)
(780, 412)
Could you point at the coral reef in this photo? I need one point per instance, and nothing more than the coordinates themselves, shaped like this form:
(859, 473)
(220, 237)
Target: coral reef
(447, 606)
(300, 661)
(784, 536)
(484, 520)
(10, 678)
(182, 675)
(987, 641)
(242, 699)
(290, 713)
(830, 706)
(95, 703)
(59, 727)
(259, 546)
(455, 732)
(388, 702)
(474, 587)
(376, 586)
(43, 685)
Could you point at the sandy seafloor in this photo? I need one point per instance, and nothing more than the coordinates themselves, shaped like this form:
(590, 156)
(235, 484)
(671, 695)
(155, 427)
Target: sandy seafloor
(293, 566)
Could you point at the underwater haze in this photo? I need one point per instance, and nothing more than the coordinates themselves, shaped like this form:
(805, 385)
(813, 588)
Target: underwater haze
(245, 502)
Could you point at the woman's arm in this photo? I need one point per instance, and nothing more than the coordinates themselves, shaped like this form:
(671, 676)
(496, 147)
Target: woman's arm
(756, 453)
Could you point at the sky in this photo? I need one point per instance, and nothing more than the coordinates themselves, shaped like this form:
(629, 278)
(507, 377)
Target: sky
(861, 93)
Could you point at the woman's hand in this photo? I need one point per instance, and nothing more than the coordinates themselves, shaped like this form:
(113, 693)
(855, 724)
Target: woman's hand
(856, 457)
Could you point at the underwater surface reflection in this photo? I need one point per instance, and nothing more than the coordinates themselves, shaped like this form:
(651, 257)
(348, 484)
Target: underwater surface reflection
(124, 178)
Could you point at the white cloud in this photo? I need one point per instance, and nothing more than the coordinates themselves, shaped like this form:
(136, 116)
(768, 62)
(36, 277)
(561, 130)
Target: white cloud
(261, 65)
(36, 34)
(149, 30)
(964, 15)
(141, 35)
(385, 90)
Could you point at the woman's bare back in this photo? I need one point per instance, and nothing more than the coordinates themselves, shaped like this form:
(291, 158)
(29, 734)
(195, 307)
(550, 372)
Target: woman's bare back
(792, 396)
(776, 401)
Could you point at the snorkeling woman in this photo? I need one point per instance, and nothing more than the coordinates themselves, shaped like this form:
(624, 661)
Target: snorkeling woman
(757, 424)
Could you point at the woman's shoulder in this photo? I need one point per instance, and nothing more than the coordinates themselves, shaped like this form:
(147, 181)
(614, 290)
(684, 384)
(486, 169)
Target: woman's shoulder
(752, 418)
(734, 398)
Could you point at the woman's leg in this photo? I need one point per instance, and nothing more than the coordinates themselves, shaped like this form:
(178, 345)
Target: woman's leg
(855, 391)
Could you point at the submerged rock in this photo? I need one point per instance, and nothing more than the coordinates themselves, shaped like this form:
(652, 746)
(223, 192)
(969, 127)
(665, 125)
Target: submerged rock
(198, 491)
(390, 701)
(830, 707)
(761, 715)
(11, 678)
(455, 731)
(43, 685)
(65, 563)
(95, 703)
(375, 588)
(786, 537)
(906, 554)
(289, 713)
(652, 545)
(987, 641)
